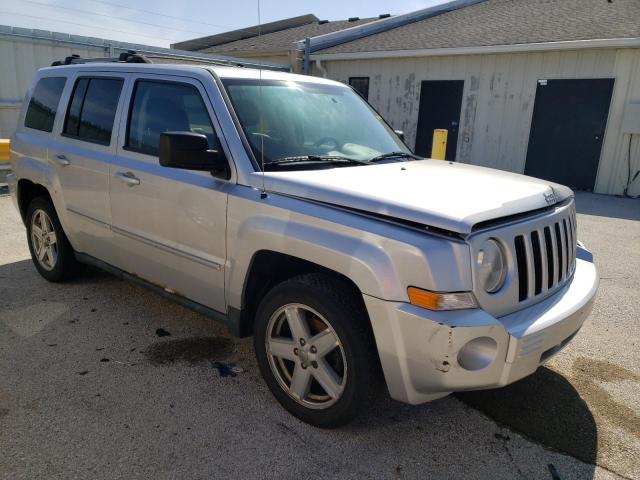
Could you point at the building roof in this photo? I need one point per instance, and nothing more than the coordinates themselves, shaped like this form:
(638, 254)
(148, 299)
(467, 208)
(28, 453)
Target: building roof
(242, 33)
(507, 22)
(271, 39)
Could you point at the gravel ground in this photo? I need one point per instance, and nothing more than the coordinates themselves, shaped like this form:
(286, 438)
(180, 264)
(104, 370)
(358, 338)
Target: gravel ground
(91, 388)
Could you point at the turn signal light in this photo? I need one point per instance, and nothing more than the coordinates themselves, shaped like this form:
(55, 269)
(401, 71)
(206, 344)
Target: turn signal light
(440, 301)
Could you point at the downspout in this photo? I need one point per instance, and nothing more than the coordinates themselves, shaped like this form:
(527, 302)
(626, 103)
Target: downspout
(322, 70)
(307, 52)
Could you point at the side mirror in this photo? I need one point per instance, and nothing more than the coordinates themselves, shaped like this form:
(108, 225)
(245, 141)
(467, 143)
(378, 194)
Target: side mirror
(400, 134)
(190, 151)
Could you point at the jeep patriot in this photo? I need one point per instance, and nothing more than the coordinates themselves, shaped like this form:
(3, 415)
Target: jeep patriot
(285, 206)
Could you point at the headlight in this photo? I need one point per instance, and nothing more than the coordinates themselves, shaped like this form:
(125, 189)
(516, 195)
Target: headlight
(492, 266)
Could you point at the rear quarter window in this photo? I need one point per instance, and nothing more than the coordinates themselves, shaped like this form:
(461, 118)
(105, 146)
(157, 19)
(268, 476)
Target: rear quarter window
(92, 109)
(43, 105)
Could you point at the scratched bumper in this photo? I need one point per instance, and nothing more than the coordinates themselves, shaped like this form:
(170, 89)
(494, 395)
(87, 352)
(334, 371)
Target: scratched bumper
(423, 353)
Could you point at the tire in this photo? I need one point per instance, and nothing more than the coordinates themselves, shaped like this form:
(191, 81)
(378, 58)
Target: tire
(58, 263)
(345, 359)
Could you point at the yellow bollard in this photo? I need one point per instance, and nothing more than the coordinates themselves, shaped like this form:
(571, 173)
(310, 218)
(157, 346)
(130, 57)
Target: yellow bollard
(4, 150)
(439, 145)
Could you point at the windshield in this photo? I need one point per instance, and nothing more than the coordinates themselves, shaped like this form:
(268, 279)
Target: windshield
(288, 120)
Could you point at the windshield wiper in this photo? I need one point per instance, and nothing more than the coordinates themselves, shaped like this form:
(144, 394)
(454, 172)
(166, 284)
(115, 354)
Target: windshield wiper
(384, 156)
(317, 158)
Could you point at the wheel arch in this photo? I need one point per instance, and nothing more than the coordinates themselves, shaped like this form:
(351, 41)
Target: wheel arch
(267, 269)
(26, 192)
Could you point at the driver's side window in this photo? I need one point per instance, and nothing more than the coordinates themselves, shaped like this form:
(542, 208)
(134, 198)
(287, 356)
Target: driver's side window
(159, 107)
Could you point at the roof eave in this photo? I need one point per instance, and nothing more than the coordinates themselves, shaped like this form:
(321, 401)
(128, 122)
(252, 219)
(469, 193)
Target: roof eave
(253, 53)
(328, 40)
(484, 49)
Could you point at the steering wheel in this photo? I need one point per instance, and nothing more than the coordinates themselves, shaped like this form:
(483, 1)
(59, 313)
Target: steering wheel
(328, 141)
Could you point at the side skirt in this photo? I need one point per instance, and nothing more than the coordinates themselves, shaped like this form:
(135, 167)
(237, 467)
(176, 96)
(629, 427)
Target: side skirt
(185, 302)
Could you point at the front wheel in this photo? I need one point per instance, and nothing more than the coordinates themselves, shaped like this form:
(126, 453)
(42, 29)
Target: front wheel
(315, 349)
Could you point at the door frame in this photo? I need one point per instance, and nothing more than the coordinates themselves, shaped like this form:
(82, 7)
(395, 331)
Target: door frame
(464, 84)
(148, 165)
(87, 231)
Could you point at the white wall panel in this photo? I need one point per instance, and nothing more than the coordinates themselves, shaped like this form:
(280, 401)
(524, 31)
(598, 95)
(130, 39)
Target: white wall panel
(498, 100)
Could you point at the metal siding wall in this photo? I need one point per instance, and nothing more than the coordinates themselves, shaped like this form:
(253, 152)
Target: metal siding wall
(21, 56)
(498, 100)
(20, 60)
(613, 167)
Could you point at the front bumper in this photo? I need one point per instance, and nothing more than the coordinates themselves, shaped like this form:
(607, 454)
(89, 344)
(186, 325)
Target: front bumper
(422, 352)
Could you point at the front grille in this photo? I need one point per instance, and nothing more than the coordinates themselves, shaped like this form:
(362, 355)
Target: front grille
(545, 257)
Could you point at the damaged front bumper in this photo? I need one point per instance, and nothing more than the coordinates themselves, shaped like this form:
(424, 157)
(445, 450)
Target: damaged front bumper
(426, 355)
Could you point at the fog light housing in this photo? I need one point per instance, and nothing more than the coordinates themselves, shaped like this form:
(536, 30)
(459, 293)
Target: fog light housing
(478, 353)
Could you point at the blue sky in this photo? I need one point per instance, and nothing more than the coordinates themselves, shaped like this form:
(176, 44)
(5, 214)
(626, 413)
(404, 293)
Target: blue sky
(161, 22)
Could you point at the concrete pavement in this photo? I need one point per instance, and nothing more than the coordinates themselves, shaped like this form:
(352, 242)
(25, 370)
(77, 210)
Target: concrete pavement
(88, 389)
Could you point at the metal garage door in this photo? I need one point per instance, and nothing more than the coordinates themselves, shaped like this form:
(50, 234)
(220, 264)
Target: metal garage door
(569, 121)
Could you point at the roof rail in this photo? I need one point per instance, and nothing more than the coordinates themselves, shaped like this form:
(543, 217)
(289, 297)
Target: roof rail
(130, 56)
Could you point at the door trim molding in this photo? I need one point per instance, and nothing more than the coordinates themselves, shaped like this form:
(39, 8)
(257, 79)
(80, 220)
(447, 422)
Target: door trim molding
(167, 248)
(88, 217)
(148, 241)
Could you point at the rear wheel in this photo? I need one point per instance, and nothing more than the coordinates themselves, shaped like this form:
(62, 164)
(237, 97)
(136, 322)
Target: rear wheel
(50, 250)
(315, 349)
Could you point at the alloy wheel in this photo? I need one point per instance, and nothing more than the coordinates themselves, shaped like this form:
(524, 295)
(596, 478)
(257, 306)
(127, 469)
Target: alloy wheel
(44, 240)
(306, 356)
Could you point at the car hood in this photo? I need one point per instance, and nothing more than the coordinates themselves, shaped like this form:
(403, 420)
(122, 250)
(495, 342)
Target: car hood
(441, 194)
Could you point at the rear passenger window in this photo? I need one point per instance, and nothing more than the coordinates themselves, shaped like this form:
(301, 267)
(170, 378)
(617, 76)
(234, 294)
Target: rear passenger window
(160, 107)
(44, 103)
(92, 109)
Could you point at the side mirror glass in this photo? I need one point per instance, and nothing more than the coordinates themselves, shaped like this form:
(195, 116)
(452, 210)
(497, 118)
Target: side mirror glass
(190, 151)
(400, 134)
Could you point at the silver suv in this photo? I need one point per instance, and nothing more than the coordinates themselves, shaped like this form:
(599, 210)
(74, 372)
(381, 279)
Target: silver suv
(286, 207)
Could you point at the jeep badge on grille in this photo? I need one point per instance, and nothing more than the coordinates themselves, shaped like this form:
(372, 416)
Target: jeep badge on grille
(550, 197)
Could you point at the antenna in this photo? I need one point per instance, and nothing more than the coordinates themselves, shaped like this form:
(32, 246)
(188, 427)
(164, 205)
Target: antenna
(263, 194)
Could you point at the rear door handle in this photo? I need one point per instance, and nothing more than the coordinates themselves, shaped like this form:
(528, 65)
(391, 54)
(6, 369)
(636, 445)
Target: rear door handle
(127, 177)
(62, 160)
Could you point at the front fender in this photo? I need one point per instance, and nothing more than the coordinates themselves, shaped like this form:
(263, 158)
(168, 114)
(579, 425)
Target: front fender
(380, 258)
(361, 261)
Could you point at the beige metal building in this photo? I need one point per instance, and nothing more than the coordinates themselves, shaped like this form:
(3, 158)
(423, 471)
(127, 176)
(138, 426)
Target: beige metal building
(544, 87)
(23, 51)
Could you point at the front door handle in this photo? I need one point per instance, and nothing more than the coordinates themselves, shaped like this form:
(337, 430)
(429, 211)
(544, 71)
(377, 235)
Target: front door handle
(62, 160)
(127, 177)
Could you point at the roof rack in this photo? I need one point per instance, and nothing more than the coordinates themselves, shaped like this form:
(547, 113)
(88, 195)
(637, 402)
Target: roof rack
(130, 56)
